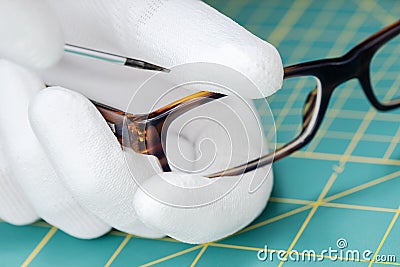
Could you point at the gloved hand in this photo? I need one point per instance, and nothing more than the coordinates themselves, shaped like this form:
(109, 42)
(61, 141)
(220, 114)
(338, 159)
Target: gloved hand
(59, 161)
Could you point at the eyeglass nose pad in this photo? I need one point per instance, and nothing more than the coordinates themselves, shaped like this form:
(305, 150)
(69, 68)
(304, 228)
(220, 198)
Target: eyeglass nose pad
(309, 107)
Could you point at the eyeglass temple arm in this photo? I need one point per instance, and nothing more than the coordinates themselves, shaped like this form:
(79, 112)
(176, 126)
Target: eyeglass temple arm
(126, 61)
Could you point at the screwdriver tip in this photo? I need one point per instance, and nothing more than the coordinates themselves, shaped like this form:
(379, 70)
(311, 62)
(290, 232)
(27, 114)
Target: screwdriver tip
(144, 65)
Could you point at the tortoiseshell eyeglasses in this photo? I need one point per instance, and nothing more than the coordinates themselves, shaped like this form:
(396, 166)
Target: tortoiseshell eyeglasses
(375, 63)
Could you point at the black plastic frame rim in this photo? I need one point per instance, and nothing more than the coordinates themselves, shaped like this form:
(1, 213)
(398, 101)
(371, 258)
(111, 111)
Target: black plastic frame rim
(330, 73)
(353, 65)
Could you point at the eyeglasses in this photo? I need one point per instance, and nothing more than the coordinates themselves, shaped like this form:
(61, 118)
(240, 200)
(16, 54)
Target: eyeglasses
(375, 63)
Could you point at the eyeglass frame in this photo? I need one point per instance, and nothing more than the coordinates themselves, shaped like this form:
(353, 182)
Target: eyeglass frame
(329, 74)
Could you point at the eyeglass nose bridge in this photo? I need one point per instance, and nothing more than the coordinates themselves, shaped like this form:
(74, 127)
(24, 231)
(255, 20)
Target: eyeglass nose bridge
(147, 134)
(340, 70)
(144, 136)
(336, 71)
(356, 65)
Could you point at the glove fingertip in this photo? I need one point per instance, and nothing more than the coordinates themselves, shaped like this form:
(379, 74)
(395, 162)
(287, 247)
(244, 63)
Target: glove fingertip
(39, 45)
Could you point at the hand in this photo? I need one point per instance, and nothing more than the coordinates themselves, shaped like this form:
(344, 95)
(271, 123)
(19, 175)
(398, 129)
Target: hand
(71, 171)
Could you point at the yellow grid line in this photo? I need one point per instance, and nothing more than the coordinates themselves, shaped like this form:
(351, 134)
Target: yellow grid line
(323, 18)
(348, 136)
(339, 101)
(336, 196)
(351, 158)
(377, 11)
(395, 141)
(172, 256)
(199, 255)
(388, 263)
(353, 20)
(290, 100)
(328, 120)
(330, 204)
(358, 188)
(118, 250)
(42, 224)
(298, 210)
(324, 202)
(289, 200)
(315, 205)
(287, 107)
(212, 244)
(342, 135)
(388, 63)
(308, 205)
(356, 114)
(393, 144)
(273, 219)
(331, 180)
(290, 17)
(309, 216)
(385, 236)
(39, 247)
(380, 116)
(357, 207)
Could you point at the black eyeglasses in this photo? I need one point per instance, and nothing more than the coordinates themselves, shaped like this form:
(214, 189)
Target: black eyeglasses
(375, 63)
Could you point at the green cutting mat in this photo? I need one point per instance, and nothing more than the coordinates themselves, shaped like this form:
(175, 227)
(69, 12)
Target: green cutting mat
(345, 184)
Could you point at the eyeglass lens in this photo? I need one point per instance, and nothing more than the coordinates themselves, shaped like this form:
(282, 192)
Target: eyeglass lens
(385, 72)
(292, 107)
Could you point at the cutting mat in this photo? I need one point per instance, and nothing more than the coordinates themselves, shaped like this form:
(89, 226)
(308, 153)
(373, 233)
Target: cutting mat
(344, 185)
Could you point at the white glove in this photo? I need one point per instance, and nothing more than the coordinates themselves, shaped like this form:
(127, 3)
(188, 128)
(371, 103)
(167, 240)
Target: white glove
(72, 172)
